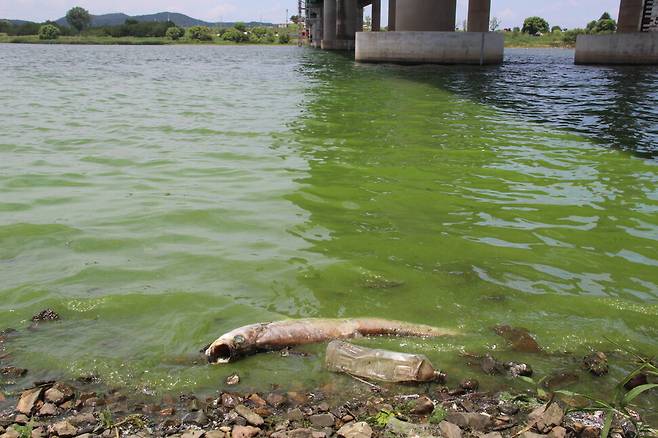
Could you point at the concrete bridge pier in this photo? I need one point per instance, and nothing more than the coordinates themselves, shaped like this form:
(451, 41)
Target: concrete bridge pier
(424, 32)
(634, 43)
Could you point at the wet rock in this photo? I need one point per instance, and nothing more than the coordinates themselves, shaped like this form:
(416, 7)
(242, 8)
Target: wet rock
(200, 419)
(244, 432)
(252, 418)
(470, 420)
(229, 400)
(295, 415)
(13, 372)
(491, 366)
(323, 407)
(519, 338)
(215, 434)
(46, 315)
(55, 396)
(449, 430)
(519, 369)
(48, 410)
(276, 400)
(558, 432)
(596, 363)
(546, 417)
(508, 409)
(64, 429)
(638, 380)
(561, 380)
(233, 379)
(322, 420)
(193, 434)
(257, 400)
(470, 385)
(423, 406)
(27, 400)
(42, 432)
(355, 430)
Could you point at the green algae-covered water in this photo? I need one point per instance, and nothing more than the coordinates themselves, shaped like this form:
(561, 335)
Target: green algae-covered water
(157, 197)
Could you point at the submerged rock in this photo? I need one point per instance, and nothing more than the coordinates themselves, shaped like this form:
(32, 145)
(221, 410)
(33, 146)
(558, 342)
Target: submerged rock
(46, 315)
(13, 372)
(596, 363)
(519, 339)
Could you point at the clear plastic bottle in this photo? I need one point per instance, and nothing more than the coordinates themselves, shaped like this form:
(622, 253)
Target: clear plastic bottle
(384, 365)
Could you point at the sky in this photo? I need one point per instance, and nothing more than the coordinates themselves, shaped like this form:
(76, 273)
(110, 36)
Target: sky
(565, 13)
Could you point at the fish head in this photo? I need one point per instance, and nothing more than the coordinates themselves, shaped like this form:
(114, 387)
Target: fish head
(227, 348)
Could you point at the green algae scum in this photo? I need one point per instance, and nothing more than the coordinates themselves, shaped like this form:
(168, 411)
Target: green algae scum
(157, 197)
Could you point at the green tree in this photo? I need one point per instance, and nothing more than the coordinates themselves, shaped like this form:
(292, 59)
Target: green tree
(607, 25)
(605, 16)
(235, 35)
(48, 32)
(175, 33)
(284, 38)
(570, 36)
(295, 19)
(556, 29)
(240, 26)
(535, 25)
(78, 18)
(200, 33)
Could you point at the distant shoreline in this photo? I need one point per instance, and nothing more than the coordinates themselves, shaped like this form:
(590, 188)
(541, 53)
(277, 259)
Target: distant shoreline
(510, 42)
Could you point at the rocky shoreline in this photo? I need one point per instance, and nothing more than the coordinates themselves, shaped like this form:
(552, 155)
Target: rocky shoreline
(88, 409)
(58, 409)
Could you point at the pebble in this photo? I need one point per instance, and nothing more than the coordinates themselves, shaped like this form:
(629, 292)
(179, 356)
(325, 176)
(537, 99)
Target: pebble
(252, 418)
(48, 410)
(54, 395)
(276, 400)
(469, 385)
(233, 379)
(355, 430)
(547, 416)
(508, 409)
(193, 434)
(295, 415)
(322, 420)
(423, 406)
(64, 429)
(469, 420)
(244, 432)
(558, 432)
(229, 400)
(215, 434)
(449, 430)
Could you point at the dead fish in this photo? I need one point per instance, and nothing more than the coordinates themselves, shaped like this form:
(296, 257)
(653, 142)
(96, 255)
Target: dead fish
(270, 336)
(519, 338)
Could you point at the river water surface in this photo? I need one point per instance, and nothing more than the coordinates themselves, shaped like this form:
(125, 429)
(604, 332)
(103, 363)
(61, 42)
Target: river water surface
(159, 196)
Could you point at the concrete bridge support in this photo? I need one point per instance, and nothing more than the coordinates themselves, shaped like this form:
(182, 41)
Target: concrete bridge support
(329, 25)
(628, 46)
(376, 25)
(424, 32)
(392, 10)
(425, 15)
(479, 14)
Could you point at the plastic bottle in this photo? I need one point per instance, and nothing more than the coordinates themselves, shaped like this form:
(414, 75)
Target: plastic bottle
(384, 365)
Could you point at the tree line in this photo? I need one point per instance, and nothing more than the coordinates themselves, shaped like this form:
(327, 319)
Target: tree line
(79, 23)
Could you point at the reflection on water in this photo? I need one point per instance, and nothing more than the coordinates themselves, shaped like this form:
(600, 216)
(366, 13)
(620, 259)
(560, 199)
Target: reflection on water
(160, 196)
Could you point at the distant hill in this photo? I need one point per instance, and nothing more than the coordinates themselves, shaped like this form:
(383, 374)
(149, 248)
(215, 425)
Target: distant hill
(179, 19)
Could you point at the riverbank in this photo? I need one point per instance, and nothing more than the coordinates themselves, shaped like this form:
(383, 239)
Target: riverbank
(512, 40)
(122, 41)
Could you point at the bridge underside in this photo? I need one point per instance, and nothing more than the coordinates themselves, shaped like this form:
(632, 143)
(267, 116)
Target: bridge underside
(423, 31)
